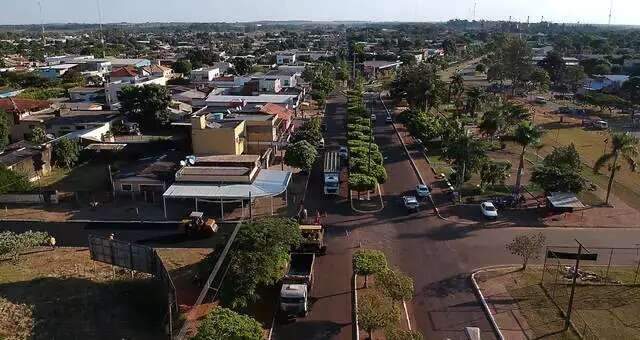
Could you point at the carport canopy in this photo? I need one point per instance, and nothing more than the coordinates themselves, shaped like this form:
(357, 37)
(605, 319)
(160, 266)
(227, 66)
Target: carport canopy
(268, 183)
(564, 200)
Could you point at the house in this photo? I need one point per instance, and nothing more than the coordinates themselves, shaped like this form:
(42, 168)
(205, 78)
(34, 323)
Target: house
(609, 83)
(157, 71)
(374, 68)
(221, 169)
(269, 85)
(187, 96)
(125, 78)
(204, 75)
(216, 100)
(20, 113)
(288, 76)
(136, 63)
(230, 81)
(67, 59)
(149, 176)
(285, 57)
(27, 159)
(99, 123)
(211, 135)
(86, 94)
(55, 71)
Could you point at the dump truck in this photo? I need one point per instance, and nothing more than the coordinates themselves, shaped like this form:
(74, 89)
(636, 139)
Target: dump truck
(313, 239)
(332, 173)
(296, 285)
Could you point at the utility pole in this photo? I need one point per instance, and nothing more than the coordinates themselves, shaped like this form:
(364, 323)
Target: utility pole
(610, 11)
(475, 5)
(100, 25)
(44, 40)
(567, 322)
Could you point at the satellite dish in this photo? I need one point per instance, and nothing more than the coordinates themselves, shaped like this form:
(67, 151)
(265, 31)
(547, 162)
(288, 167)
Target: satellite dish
(183, 163)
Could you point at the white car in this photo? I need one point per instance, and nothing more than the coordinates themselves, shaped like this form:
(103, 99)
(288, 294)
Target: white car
(388, 119)
(489, 210)
(343, 152)
(411, 203)
(373, 117)
(422, 191)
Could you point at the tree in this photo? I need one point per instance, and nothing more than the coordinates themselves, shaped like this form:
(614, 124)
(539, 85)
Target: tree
(527, 246)
(368, 262)
(12, 244)
(66, 153)
(624, 146)
(564, 157)
(552, 179)
(493, 172)
(258, 258)
(474, 100)
(11, 181)
(373, 169)
(481, 68)
(574, 76)
(631, 90)
(183, 66)
(419, 84)
(526, 135)
(376, 312)
(456, 87)
(540, 79)
(396, 333)
(38, 135)
(4, 130)
(466, 153)
(554, 65)
(223, 323)
(301, 155)
(492, 123)
(512, 60)
(146, 105)
(242, 66)
(395, 284)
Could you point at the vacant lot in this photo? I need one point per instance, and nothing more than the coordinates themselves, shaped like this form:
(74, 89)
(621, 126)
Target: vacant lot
(63, 294)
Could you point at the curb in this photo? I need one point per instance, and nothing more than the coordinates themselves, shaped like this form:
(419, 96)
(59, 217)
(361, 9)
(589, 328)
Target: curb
(485, 306)
(406, 314)
(367, 211)
(88, 221)
(356, 333)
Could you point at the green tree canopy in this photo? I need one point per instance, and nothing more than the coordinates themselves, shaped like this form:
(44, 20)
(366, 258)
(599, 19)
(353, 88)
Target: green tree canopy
(11, 181)
(258, 258)
(301, 155)
(12, 244)
(494, 172)
(376, 312)
(368, 262)
(395, 284)
(66, 153)
(183, 66)
(146, 105)
(223, 323)
(4, 130)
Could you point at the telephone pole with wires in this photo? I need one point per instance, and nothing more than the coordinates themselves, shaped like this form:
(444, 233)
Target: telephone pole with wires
(44, 40)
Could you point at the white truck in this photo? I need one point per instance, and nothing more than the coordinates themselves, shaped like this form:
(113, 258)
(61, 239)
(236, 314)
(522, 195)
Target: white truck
(296, 285)
(331, 173)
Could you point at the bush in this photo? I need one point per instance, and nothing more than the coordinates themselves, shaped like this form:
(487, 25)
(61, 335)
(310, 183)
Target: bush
(360, 182)
(361, 166)
(11, 181)
(223, 323)
(360, 128)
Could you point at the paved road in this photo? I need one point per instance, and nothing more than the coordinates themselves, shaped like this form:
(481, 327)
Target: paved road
(439, 255)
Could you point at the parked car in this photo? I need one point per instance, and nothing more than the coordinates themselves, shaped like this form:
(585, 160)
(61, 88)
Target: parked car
(489, 210)
(373, 117)
(388, 120)
(600, 125)
(321, 144)
(540, 100)
(422, 191)
(343, 152)
(502, 202)
(411, 203)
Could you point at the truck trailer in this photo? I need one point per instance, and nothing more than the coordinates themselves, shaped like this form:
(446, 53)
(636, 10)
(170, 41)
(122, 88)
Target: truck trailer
(296, 285)
(331, 173)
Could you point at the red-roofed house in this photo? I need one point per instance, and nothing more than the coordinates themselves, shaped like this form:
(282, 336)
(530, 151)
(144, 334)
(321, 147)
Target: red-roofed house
(22, 116)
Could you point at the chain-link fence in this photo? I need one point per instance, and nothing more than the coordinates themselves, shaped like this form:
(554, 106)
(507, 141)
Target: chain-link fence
(606, 289)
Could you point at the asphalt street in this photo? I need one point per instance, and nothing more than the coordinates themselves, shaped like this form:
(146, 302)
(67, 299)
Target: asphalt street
(438, 254)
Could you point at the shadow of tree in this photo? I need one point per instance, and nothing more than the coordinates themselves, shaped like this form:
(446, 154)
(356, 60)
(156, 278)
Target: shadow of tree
(75, 308)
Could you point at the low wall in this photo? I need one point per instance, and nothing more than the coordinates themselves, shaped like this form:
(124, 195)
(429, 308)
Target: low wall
(29, 198)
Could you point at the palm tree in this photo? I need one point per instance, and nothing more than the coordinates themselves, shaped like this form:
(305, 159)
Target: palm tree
(526, 134)
(625, 146)
(492, 123)
(474, 100)
(456, 88)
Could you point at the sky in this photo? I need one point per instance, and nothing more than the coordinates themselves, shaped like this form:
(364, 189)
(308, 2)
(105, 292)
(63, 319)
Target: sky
(86, 11)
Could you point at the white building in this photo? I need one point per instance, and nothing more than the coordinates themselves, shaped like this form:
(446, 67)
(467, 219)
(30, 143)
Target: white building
(204, 75)
(283, 58)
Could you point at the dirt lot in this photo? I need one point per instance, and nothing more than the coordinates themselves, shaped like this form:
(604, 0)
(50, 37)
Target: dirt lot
(63, 294)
